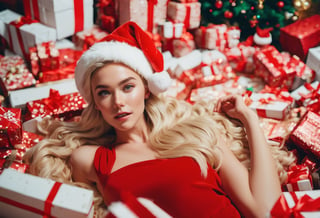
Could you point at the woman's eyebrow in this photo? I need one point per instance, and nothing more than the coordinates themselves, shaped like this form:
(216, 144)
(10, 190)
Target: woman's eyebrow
(120, 83)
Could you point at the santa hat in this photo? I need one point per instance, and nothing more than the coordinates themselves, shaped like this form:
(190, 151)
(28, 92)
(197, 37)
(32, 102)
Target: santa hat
(263, 36)
(130, 45)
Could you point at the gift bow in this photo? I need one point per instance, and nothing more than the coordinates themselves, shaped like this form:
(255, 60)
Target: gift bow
(303, 204)
(297, 173)
(55, 100)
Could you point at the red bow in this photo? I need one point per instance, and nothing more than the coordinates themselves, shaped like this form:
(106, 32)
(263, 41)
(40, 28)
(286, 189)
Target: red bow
(303, 204)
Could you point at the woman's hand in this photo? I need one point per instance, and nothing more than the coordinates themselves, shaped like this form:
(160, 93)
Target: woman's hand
(234, 107)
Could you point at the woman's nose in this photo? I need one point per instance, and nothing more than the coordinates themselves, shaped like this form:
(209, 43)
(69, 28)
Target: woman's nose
(118, 99)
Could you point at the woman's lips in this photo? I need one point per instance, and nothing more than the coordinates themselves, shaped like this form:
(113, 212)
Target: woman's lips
(121, 115)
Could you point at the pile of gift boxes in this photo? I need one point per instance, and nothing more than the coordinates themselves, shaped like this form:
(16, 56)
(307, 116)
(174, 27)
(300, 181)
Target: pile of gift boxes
(205, 62)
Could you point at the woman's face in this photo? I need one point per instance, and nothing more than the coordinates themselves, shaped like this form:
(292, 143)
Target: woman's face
(119, 94)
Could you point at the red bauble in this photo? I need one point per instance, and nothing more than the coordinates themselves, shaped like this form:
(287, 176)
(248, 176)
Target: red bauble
(228, 14)
(218, 4)
(280, 4)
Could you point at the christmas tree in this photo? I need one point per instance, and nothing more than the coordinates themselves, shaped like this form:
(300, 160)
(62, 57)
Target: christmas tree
(248, 14)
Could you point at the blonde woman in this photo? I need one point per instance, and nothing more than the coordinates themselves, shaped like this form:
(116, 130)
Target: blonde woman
(202, 160)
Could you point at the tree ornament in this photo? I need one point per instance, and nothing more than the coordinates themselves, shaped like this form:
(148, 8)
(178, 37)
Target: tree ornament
(260, 4)
(302, 5)
(288, 15)
(280, 4)
(218, 4)
(262, 37)
(228, 14)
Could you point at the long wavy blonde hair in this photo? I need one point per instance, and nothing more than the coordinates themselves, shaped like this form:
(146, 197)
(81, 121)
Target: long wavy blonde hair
(177, 129)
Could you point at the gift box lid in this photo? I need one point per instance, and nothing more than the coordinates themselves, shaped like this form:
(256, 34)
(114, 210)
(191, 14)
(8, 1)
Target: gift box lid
(34, 192)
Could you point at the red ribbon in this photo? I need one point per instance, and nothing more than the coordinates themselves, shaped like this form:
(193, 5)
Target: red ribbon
(188, 15)
(78, 15)
(151, 4)
(35, 9)
(48, 202)
(303, 204)
(298, 173)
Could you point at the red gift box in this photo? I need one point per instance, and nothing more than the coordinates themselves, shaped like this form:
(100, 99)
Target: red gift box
(274, 68)
(306, 134)
(10, 127)
(44, 57)
(14, 74)
(63, 107)
(298, 37)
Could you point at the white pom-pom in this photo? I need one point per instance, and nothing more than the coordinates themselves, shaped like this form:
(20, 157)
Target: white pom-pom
(159, 82)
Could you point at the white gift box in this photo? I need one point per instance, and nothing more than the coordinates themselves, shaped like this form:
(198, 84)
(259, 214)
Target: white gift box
(171, 30)
(144, 12)
(188, 62)
(29, 35)
(301, 185)
(303, 90)
(19, 98)
(66, 17)
(7, 16)
(274, 108)
(217, 37)
(26, 195)
(313, 61)
(187, 13)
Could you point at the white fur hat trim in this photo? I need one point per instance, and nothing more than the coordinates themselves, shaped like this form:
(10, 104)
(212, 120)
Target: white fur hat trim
(120, 52)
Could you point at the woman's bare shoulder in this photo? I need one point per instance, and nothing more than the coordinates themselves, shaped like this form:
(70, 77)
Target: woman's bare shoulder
(82, 162)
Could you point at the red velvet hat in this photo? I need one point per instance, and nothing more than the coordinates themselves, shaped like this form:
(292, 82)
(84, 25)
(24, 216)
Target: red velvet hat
(130, 45)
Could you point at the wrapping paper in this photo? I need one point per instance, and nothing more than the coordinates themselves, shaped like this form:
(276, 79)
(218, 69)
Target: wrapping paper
(306, 134)
(25, 195)
(14, 74)
(240, 58)
(169, 30)
(187, 13)
(180, 47)
(147, 13)
(303, 34)
(274, 68)
(85, 39)
(216, 36)
(10, 127)
(212, 93)
(43, 57)
(66, 17)
(106, 16)
(62, 107)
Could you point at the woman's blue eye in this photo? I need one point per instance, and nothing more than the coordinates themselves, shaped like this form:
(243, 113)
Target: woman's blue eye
(103, 93)
(128, 87)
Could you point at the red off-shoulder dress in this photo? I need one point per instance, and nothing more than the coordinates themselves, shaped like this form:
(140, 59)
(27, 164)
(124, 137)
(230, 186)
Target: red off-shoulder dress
(174, 184)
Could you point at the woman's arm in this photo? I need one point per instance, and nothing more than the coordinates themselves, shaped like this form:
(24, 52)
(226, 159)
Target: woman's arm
(253, 192)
